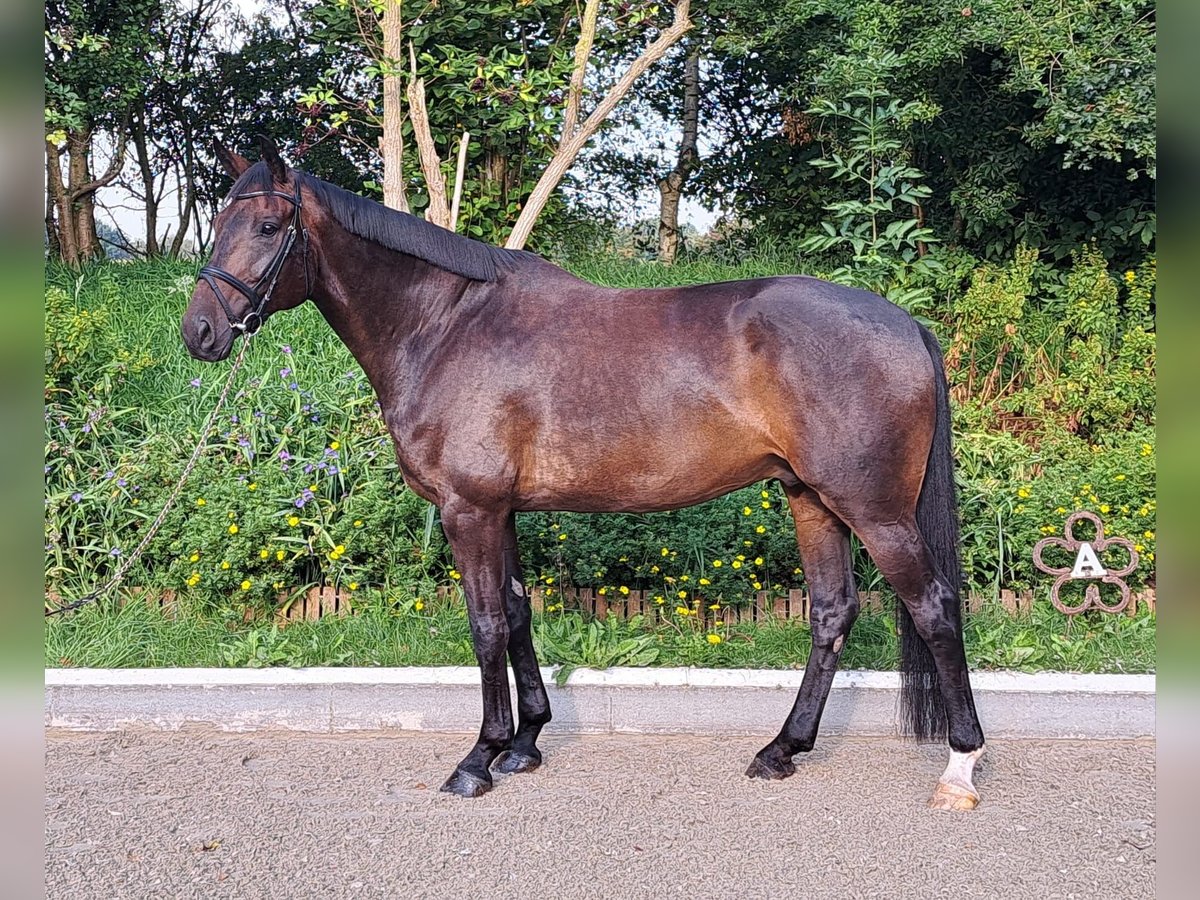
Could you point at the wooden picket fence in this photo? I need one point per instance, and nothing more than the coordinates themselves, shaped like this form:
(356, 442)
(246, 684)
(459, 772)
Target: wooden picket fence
(322, 601)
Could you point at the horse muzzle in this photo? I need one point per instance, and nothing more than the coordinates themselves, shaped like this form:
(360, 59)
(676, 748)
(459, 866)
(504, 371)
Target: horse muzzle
(206, 338)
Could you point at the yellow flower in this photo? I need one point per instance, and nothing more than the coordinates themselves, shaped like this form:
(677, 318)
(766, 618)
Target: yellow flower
(252, 486)
(682, 578)
(765, 494)
(1119, 477)
(1104, 507)
(747, 543)
(334, 445)
(339, 549)
(246, 585)
(717, 563)
(761, 529)
(796, 571)
(1148, 535)
(353, 585)
(715, 606)
(293, 521)
(1129, 276)
(455, 575)
(660, 600)
(194, 557)
(1138, 547)
(200, 501)
(681, 595)
(623, 589)
(549, 579)
(681, 610)
(358, 523)
(666, 551)
(1147, 449)
(277, 584)
(419, 605)
(312, 487)
(279, 554)
(746, 510)
(1023, 492)
(654, 570)
(1093, 497)
(714, 639)
(233, 529)
(1060, 509)
(224, 564)
(757, 586)
(766, 504)
(602, 591)
(1150, 556)
(758, 560)
(563, 536)
(704, 581)
(264, 553)
(737, 564)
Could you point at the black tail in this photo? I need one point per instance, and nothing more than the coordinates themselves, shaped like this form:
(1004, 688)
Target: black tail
(924, 714)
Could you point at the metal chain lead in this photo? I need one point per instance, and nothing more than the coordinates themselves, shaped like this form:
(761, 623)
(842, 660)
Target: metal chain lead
(174, 495)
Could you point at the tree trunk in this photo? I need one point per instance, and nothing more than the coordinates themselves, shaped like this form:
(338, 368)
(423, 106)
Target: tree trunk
(391, 143)
(142, 152)
(671, 187)
(83, 203)
(53, 179)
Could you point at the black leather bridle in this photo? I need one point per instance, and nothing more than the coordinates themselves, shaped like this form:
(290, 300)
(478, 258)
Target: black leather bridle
(256, 294)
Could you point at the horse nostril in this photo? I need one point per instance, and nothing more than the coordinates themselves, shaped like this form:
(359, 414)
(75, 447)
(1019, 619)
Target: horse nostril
(204, 333)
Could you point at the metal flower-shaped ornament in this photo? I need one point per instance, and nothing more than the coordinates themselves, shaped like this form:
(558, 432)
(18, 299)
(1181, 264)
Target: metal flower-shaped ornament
(1087, 566)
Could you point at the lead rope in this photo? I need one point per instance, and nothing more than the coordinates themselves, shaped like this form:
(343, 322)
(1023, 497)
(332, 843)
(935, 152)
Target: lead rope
(174, 495)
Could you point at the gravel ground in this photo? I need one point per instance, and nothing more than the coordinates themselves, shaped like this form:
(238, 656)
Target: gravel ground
(283, 815)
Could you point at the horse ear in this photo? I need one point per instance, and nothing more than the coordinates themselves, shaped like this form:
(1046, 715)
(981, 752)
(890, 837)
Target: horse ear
(232, 163)
(270, 153)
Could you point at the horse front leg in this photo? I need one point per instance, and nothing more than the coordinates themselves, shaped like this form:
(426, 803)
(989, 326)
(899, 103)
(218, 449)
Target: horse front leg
(533, 706)
(477, 538)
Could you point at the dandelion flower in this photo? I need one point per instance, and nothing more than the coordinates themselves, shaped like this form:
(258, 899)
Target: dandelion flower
(714, 639)
(737, 564)
(717, 563)
(353, 585)
(334, 445)
(563, 536)
(761, 529)
(293, 521)
(681, 595)
(194, 557)
(200, 501)
(358, 523)
(705, 581)
(419, 605)
(233, 529)
(246, 585)
(623, 590)
(746, 510)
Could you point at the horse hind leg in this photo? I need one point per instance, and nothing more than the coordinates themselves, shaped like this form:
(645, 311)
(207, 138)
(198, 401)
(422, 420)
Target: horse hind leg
(824, 542)
(904, 558)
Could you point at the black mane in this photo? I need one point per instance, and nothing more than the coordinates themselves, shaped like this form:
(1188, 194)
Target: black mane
(394, 229)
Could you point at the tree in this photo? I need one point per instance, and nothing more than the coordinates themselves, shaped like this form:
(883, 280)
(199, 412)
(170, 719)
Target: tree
(97, 64)
(670, 187)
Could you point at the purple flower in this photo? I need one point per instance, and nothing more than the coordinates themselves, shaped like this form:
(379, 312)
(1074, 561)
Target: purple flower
(243, 442)
(115, 551)
(109, 474)
(286, 348)
(195, 382)
(87, 427)
(285, 372)
(284, 455)
(293, 386)
(329, 451)
(258, 414)
(333, 470)
(121, 482)
(77, 496)
(308, 467)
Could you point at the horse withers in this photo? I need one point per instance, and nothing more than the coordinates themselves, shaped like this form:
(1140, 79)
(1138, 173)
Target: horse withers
(508, 384)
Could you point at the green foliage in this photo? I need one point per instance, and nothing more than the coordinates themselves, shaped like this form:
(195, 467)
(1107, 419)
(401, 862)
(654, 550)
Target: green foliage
(299, 486)
(596, 645)
(886, 242)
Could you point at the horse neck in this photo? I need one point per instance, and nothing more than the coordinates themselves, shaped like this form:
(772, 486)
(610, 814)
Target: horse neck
(383, 304)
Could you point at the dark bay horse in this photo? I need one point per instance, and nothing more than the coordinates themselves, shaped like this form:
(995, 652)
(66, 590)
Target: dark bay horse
(500, 380)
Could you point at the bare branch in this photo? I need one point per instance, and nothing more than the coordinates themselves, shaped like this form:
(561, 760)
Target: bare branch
(431, 164)
(458, 179)
(569, 149)
(583, 51)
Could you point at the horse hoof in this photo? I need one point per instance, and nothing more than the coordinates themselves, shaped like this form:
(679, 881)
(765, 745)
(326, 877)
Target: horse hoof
(761, 769)
(464, 784)
(953, 797)
(510, 763)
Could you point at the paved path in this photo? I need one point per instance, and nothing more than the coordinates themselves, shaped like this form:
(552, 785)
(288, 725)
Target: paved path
(276, 815)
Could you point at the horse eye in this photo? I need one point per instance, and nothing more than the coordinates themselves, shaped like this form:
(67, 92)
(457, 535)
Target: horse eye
(269, 228)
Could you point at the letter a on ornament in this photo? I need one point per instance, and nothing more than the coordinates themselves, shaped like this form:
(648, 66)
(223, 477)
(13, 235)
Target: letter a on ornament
(1087, 564)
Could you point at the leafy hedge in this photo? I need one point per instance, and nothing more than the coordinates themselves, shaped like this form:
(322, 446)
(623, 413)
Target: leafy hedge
(1053, 376)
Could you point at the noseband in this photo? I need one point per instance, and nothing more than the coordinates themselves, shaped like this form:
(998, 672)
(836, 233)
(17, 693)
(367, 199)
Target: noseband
(256, 294)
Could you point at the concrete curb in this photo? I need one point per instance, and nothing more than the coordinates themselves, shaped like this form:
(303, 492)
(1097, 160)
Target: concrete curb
(649, 701)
